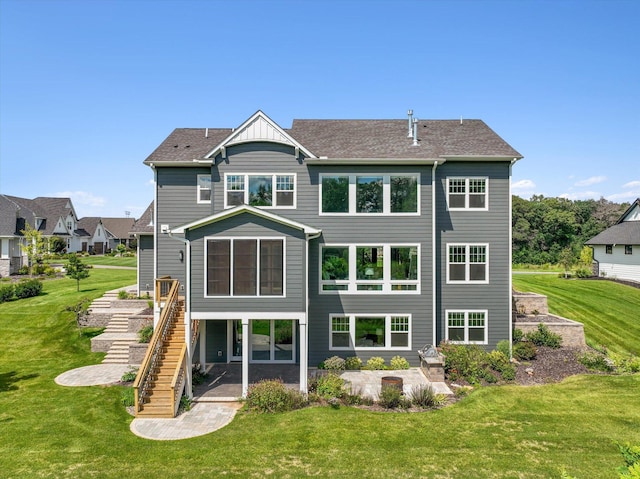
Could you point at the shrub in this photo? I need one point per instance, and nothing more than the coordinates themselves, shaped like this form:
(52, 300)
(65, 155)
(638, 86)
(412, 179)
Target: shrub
(425, 397)
(524, 351)
(518, 335)
(376, 363)
(81, 310)
(503, 347)
(129, 376)
(271, 395)
(398, 362)
(197, 376)
(499, 362)
(122, 294)
(145, 334)
(464, 361)
(334, 363)
(330, 386)
(185, 404)
(391, 397)
(544, 337)
(596, 362)
(28, 288)
(625, 364)
(6, 292)
(583, 273)
(353, 363)
(127, 398)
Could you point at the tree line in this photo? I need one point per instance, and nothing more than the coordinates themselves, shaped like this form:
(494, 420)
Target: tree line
(545, 227)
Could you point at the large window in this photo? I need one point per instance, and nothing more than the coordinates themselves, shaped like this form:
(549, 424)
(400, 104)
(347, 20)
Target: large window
(369, 194)
(204, 189)
(260, 190)
(467, 193)
(468, 327)
(467, 263)
(370, 268)
(374, 331)
(245, 267)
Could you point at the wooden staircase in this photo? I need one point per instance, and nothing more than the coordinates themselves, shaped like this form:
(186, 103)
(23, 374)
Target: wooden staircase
(161, 377)
(159, 402)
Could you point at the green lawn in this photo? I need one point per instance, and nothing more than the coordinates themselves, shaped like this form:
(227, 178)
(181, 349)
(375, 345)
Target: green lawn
(48, 430)
(609, 311)
(111, 261)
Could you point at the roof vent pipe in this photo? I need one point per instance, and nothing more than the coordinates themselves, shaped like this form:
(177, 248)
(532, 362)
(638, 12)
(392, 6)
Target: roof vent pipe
(415, 132)
(206, 132)
(410, 113)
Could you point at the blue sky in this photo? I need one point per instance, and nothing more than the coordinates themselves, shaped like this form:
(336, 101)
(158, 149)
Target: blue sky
(88, 89)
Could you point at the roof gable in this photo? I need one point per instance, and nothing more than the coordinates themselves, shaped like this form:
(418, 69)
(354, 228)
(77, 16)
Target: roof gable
(258, 128)
(223, 215)
(632, 213)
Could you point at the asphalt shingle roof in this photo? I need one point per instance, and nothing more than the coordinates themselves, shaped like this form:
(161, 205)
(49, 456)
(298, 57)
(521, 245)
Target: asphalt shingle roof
(355, 139)
(627, 232)
(144, 224)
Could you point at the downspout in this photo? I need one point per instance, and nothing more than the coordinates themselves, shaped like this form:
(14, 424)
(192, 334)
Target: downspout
(510, 305)
(156, 301)
(433, 251)
(187, 311)
(304, 374)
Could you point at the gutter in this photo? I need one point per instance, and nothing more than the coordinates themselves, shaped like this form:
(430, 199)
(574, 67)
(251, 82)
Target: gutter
(513, 162)
(433, 252)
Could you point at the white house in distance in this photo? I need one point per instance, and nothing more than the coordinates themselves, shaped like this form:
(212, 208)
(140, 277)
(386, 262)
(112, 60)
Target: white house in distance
(616, 250)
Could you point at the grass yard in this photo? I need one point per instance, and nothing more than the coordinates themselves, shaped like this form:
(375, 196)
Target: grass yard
(130, 262)
(48, 430)
(609, 311)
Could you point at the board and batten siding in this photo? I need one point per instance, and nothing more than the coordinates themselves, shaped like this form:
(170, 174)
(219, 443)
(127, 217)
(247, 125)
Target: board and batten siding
(617, 264)
(247, 225)
(489, 227)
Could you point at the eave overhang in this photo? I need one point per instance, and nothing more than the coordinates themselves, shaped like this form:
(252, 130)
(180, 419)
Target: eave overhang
(373, 161)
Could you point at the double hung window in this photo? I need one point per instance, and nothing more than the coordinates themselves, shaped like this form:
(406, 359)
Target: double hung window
(467, 263)
(467, 193)
(628, 249)
(608, 249)
(204, 189)
(370, 268)
(260, 190)
(245, 267)
(370, 331)
(467, 327)
(369, 194)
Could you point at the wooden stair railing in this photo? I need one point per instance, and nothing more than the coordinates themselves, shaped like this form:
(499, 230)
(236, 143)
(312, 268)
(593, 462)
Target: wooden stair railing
(161, 377)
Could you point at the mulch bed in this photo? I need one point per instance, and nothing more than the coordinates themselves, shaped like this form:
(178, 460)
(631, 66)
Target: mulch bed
(550, 366)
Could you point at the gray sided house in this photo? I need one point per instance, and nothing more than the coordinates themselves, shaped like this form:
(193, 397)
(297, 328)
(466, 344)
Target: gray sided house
(333, 237)
(616, 251)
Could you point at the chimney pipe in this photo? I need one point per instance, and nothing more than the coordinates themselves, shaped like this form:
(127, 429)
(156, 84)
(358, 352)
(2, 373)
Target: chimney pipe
(415, 132)
(410, 113)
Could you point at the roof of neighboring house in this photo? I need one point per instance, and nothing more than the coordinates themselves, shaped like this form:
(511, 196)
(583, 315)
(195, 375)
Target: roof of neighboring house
(15, 212)
(355, 139)
(144, 224)
(88, 224)
(119, 228)
(625, 231)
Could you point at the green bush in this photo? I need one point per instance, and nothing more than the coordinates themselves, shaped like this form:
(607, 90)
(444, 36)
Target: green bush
(424, 396)
(330, 386)
(544, 337)
(122, 294)
(595, 361)
(524, 351)
(334, 363)
(463, 361)
(376, 363)
(625, 364)
(518, 335)
(6, 292)
(271, 395)
(503, 347)
(583, 273)
(391, 397)
(127, 398)
(498, 361)
(28, 288)
(145, 334)
(129, 376)
(398, 362)
(353, 363)
(197, 376)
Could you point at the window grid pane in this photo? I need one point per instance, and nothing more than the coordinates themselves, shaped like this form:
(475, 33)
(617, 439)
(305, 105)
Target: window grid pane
(457, 186)
(457, 254)
(284, 183)
(477, 186)
(235, 182)
(340, 324)
(369, 194)
(399, 324)
(477, 254)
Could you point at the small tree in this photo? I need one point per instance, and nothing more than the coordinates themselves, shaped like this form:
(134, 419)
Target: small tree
(76, 269)
(57, 245)
(34, 246)
(121, 249)
(586, 256)
(566, 260)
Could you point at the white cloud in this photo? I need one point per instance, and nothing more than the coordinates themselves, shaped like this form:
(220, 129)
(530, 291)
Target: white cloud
(83, 198)
(523, 187)
(594, 180)
(632, 184)
(581, 195)
(626, 196)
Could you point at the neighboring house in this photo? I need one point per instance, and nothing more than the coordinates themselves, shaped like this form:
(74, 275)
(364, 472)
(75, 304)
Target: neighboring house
(119, 230)
(616, 250)
(334, 237)
(105, 234)
(12, 220)
(143, 231)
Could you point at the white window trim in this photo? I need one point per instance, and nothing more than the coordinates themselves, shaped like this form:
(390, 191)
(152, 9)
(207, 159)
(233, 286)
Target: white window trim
(352, 329)
(198, 189)
(257, 295)
(386, 194)
(387, 283)
(466, 194)
(468, 263)
(274, 190)
(466, 325)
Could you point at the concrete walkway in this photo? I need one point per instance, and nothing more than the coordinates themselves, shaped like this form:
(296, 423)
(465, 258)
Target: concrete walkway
(96, 375)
